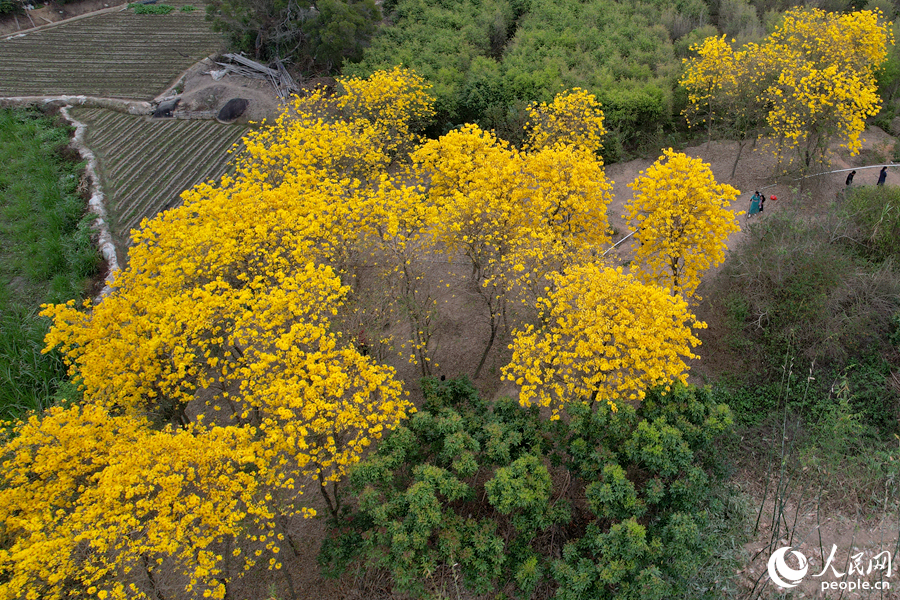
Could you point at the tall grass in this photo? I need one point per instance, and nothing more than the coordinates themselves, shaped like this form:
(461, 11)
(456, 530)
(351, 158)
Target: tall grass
(812, 470)
(813, 287)
(46, 253)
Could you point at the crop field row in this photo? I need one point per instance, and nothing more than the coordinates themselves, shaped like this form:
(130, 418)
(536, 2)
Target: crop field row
(145, 163)
(114, 54)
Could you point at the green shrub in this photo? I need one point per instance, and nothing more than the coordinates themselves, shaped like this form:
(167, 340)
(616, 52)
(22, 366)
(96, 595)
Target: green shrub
(487, 59)
(606, 505)
(151, 9)
(9, 7)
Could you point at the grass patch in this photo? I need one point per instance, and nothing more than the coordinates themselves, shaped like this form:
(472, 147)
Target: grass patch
(152, 9)
(823, 292)
(811, 305)
(46, 253)
(875, 210)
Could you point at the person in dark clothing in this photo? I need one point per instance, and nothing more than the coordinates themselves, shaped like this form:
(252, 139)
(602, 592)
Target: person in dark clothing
(850, 177)
(882, 176)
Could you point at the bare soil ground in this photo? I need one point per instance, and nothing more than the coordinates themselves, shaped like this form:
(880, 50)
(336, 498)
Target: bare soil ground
(203, 97)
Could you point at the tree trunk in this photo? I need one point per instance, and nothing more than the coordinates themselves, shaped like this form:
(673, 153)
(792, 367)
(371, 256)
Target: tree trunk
(333, 507)
(290, 583)
(673, 262)
(151, 578)
(741, 145)
(484, 355)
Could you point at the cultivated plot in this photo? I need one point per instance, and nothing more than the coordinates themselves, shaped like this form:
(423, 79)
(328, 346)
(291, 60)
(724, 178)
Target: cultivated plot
(146, 163)
(113, 54)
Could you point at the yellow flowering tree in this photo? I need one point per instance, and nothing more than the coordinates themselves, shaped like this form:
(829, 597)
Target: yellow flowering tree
(516, 216)
(395, 104)
(812, 80)
(398, 222)
(573, 118)
(682, 220)
(605, 337)
(232, 302)
(726, 90)
(825, 86)
(709, 79)
(473, 181)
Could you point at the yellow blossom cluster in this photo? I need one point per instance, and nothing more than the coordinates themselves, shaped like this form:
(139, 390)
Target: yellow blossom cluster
(682, 220)
(606, 337)
(106, 506)
(395, 104)
(710, 79)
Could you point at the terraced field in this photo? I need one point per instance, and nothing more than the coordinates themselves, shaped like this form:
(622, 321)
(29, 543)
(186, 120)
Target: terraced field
(146, 163)
(113, 54)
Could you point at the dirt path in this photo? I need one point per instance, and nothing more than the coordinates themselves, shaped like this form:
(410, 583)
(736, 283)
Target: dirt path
(755, 172)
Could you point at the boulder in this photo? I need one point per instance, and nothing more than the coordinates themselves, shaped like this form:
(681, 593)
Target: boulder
(233, 109)
(164, 110)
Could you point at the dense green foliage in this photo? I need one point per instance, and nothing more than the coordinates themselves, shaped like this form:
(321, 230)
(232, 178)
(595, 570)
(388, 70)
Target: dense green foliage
(487, 59)
(315, 35)
(602, 504)
(46, 253)
(821, 292)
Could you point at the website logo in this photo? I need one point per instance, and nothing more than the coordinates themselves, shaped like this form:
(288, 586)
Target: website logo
(858, 575)
(781, 573)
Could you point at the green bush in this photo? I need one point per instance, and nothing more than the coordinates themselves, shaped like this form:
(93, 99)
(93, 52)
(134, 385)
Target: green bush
(603, 505)
(151, 9)
(9, 7)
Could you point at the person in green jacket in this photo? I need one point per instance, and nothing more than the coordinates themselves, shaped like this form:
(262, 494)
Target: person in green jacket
(755, 202)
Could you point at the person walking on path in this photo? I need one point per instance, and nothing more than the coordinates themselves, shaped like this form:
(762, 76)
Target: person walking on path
(882, 176)
(754, 204)
(850, 178)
